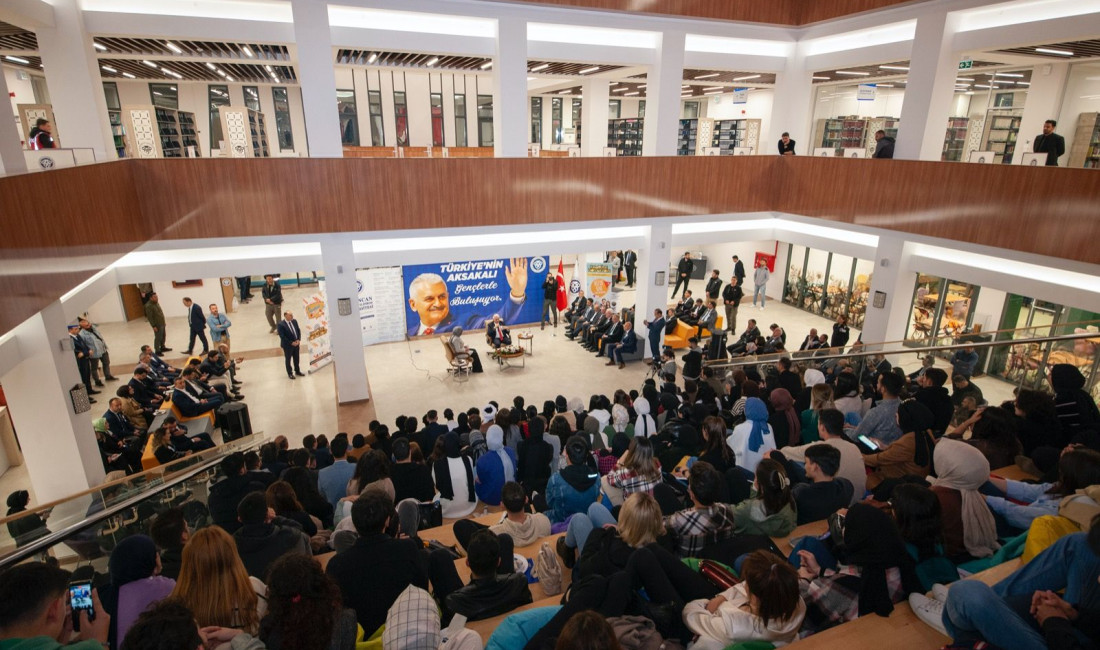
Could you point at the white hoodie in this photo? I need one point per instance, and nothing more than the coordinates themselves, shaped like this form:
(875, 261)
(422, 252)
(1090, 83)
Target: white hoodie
(733, 623)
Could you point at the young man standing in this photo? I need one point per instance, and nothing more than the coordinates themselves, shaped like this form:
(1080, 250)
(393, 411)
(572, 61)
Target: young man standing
(273, 300)
(731, 300)
(683, 273)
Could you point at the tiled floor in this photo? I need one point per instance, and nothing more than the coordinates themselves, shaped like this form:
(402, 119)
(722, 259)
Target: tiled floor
(410, 377)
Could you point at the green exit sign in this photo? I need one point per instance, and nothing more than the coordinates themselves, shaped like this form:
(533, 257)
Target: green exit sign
(966, 65)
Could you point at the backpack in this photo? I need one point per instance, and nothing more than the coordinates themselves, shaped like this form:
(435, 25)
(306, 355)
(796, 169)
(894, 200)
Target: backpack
(605, 461)
(548, 570)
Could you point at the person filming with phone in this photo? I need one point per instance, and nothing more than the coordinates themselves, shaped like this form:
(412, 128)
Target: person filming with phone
(40, 608)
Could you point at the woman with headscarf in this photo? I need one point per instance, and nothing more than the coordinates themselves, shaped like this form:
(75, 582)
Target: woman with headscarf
(135, 584)
(784, 421)
(600, 408)
(812, 377)
(875, 572)
(909, 455)
(462, 352)
(454, 478)
(495, 468)
(752, 439)
(620, 424)
(1076, 410)
(968, 525)
(27, 528)
(592, 431)
(644, 426)
(561, 407)
(537, 457)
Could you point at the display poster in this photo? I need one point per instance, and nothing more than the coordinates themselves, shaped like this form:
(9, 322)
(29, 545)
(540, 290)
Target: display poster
(381, 300)
(865, 92)
(740, 95)
(440, 297)
(315, 329)
(598, 277)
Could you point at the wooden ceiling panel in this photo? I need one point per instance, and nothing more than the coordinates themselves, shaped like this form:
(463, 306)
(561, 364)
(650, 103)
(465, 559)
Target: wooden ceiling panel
(1076, 50)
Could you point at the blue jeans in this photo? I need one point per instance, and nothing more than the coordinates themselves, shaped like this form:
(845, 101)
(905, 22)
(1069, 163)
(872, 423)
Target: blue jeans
(974, 610)
(758, 290)
(583, 524)
(825, 558)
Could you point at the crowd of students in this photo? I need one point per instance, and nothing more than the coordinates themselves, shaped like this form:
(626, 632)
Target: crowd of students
(670, 499)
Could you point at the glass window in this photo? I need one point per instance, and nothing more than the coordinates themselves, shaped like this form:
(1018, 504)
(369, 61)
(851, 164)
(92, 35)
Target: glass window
(691, 110)
(576, 120)
(614, 109)
(815, 280)
(349, 128)
(838, 286)
(437, 119)
(282, 119)
(252, 97)
(485, 120)
(166, 96)
(861, 292)
(460, 121)
(110, 90)
(555, 120)
(641, 108)
(794, 289)
(377, 133)
(401, 118)
(219, 96)
(536, 120)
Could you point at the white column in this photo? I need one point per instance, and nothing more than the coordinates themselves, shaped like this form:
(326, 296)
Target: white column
(345, 332)
(792, 107)
(662, 108)
(653, 257)
(930, 90)
(12, 160)
(887, 323)
(317, 77)
(58, 444)
(510, 89)
(1044, 102)
(76, 90)
(594, 114)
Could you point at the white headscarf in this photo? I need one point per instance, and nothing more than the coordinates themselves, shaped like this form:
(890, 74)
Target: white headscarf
(619, 417)
(812, 377)
(644, 426)
(963, 467)
(494, 440)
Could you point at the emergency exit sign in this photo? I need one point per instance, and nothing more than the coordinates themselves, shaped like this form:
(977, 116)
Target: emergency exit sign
(966, 64)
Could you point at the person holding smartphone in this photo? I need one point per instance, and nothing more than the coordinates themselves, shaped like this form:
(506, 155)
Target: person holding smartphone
(37, 603)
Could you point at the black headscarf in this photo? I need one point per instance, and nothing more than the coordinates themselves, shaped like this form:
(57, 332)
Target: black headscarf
(452, 447)
(873, 543)
(915, 418)
(135, 558)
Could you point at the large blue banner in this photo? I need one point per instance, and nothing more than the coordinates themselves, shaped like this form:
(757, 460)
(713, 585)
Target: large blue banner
(467, 294)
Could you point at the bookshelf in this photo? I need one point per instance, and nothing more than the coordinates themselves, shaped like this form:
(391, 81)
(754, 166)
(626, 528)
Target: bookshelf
(687, 140)
(155, 132)
(245, 132)
(954, 142)
(188, 133)
(1084, 151)
(625, 135)
(114, 115)
(731, 134)
(840, 133)
(1000, 135)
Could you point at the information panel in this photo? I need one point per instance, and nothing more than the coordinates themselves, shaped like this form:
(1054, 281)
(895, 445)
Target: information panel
(381, 300)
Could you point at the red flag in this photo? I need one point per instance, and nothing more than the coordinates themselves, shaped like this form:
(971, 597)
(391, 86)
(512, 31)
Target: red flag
(563, 301)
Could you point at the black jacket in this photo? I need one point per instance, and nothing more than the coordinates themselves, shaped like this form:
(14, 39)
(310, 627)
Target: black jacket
(274, 293)
(733, 293)
(714, 286)
(937, 400)
(170, 560)
(693, 363)
(840, 336)
(550, 289)
(487, 597)
(533, 471)
(259, 545)
(817, 501)
(685, 267)
(884, 148)
(1052, 145)
(412, 481)
(226, 495)
(370, 586)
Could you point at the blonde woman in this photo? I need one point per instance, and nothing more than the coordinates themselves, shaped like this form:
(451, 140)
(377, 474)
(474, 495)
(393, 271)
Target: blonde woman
(636, 471)
(821, 397)
(214, 584)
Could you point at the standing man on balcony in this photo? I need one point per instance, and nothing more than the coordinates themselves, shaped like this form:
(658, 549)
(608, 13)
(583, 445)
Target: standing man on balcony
(273, 300)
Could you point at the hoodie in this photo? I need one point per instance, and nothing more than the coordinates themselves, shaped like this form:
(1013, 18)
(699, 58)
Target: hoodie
(526, 533)
(226, 495)
(937, 399)
(259, 545)
(571, 490)
(884, 148)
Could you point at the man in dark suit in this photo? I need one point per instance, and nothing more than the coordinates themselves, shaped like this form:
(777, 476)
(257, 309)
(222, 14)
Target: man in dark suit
(189, 405)
(731, 299)
(290, 338)
(1050, 143)
(432, 429)
(144, 391)
(630, 263)
(497, 333)
(684, 270)
(628, 344)
(576, 309)
(656, 330)
(196, 321)
(714, 285)
(582, 319)
(748, 336)
(83, 360)
(709, 318)
(597, 329)
(117, 421)
(739, 270)
(614, 334)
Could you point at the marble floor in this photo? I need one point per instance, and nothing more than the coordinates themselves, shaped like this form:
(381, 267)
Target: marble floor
(411, 377)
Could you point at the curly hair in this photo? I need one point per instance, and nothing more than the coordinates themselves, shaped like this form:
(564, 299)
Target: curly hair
(302, 604)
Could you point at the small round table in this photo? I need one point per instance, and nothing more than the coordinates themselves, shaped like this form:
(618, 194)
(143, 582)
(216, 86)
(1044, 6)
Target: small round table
(527, 339)
(504, 359)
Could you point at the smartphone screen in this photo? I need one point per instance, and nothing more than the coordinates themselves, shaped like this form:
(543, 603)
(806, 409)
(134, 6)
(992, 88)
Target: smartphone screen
(869, 442)
(80, 597)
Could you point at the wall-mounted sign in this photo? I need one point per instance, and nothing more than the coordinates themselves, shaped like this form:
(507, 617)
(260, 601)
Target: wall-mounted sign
(865, 92)
(966, 64)
(740, 95)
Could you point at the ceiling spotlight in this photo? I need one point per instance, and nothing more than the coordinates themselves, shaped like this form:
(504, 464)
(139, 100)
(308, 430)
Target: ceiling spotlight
(540, 67)
(592, 69)
(486, 65)
(222, 73)
(16, 59)
(708, 76)
(128, 75)
(228, 78)
(1047, 50)
(854, 73)
(108, 68)
(172, 46)
(373, 57)
(268, 68)
(432, 61)
(894, 67)
(99, 46)
(150, 64)
(247, 51)
(751, 76)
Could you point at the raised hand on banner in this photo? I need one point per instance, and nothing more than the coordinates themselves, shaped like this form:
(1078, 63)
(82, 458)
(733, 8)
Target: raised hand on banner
(516, 273)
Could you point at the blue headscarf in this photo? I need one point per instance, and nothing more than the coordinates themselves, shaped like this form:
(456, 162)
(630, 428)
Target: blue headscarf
(757, 413)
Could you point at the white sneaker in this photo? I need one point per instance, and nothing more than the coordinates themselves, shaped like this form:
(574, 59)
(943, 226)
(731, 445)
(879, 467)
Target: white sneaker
(929, 611)
(939, 592)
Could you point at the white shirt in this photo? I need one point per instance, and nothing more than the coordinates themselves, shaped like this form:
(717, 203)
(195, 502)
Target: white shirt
(851, 462)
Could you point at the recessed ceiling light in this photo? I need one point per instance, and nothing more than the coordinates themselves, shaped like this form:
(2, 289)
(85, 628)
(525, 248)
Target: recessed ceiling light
(894, 67)
(1022, 83)
(1047, 50)
(211, 66)
(564, 92)
(821, 78)
(964, 79)
(222, 73)
(613, 83)
(715, 88)
(713, 92)
(99, 46)
(751, 76)
(685, 86)
(592, 69)
(619, 90)
(540, 67)
(373, 57)
(531, 78)
(632, 94)
(643, 86)
(150, 64)
(247, 51)
(854, 73)
(486, 65)
(708, 76)
(172, 46)
(108, 68)
(228, 78)
(1008, 74)
(16, 59)
(983, 86)
(268, 68)
(432, 61)
(128, 75)
(885, 85)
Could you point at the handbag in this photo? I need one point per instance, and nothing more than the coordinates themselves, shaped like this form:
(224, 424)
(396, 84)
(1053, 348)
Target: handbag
(718, 575)
(836, 532)
(548, 570)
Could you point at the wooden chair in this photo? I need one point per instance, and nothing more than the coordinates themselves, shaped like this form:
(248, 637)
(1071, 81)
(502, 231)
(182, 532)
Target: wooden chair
(460, 368)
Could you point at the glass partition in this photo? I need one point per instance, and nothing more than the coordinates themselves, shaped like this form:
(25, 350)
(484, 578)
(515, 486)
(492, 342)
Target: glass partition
(794, 287)
(838, 288)
(817, 267)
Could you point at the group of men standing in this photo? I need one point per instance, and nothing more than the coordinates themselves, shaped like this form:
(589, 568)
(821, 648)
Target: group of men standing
(729, 297)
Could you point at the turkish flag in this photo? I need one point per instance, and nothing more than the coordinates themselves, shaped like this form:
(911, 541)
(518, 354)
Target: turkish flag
(563, 301)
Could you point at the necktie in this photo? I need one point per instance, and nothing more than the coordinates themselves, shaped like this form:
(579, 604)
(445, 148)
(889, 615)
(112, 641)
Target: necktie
(429, 330)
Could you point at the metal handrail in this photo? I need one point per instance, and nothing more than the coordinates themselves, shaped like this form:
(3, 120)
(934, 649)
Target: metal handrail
(23, 552)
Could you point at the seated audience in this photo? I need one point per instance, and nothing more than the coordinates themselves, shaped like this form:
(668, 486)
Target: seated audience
(494, 468)
(134, 584)
(1076, 409)
(752, 439)
(821, 398)
(304, 483)
(537, 457)
(785, 423)
(771, 509)
(909, 455)
(1037, 422)
(522, 528)
(825, 493)
(214, 584)
(636, 471)
(830, 428)
(282, 500)
(576, 486)
(587, 630)
(189, 405)
(170, 534)
(183, 441)
(304, 609)
(264, 537)
(707, 521)
(969, 527)
(881, 423)
(934, 396)
(489, 592)
(34, 611)
(453, 475)
(919, 516)
(1078, 468)
(226, 494)
(164, 449)
(993, 432)
(715, 450)
(964, 388)
(170, 625)
(410, 480)
(332, 481)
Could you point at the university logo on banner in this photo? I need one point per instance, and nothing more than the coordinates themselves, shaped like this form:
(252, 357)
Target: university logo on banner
(598, 275)
(443, 296)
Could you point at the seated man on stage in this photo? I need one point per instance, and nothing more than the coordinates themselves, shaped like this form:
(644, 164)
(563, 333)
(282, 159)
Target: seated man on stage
(497, 333)
(613, 334)
(628, 344)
